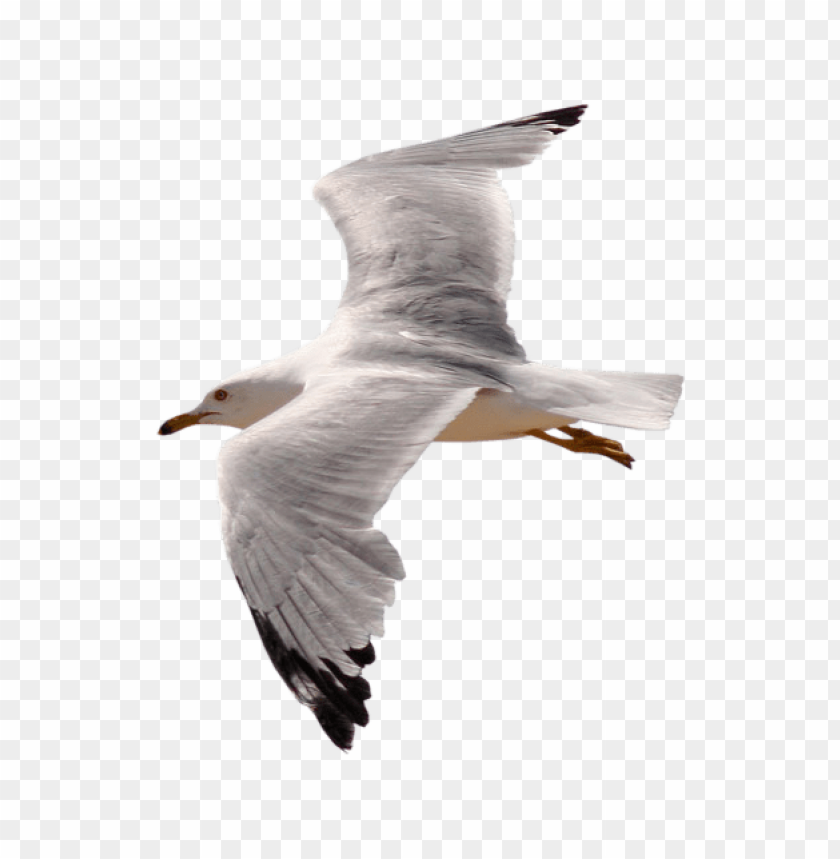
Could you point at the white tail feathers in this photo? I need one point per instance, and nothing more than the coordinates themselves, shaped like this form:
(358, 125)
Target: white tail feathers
(633, 400)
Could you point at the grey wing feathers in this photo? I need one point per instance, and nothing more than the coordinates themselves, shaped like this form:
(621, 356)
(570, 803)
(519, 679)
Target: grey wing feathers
(508, 144)
(299, 491)
(429, 232)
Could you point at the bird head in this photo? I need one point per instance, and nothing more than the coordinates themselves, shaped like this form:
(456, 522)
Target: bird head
(239, 402)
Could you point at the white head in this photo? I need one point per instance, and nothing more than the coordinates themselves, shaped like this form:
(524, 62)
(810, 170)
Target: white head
(241, 401)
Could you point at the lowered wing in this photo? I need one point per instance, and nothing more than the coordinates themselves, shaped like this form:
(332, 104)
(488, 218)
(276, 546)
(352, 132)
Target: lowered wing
(299, 491)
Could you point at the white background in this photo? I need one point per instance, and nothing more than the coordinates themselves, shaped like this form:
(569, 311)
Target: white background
(582, 661)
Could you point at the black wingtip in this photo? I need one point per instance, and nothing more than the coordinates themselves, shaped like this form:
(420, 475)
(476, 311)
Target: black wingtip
(337, 699)
(555, 121)
(362, 655)
(338, 725)
(335, 725)
(339, 713)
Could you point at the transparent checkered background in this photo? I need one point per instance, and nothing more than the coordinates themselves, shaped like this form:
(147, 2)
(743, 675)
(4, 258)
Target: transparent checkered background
(582, 661)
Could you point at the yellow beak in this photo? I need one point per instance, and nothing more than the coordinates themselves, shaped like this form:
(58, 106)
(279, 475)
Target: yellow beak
(181, 421)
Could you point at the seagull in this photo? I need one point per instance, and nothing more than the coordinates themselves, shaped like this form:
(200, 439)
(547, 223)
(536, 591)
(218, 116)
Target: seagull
(419, 351)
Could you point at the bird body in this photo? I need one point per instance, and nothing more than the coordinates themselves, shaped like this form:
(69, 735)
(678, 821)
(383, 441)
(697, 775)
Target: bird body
(419, 351)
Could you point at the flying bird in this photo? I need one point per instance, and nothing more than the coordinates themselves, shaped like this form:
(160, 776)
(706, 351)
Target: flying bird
(420, 350)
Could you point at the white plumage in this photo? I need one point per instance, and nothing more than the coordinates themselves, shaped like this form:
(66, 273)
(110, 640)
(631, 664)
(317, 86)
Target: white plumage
(419, 350)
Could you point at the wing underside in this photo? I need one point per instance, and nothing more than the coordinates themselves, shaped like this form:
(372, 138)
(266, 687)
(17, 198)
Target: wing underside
(299, 491)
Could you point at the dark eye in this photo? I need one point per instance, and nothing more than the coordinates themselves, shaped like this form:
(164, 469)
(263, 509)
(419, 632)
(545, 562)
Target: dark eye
(220, 395)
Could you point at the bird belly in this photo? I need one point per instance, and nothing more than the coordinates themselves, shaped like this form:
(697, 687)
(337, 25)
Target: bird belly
(498, 415)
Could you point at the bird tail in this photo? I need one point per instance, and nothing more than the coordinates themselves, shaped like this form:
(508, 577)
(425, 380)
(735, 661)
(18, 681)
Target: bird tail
(633, 400)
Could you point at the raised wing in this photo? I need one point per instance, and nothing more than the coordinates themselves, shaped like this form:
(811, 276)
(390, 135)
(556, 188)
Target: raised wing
(429, 232)
(299, 491)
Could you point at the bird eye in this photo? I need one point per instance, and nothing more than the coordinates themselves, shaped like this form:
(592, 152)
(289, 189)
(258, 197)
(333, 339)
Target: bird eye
(220, 395)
